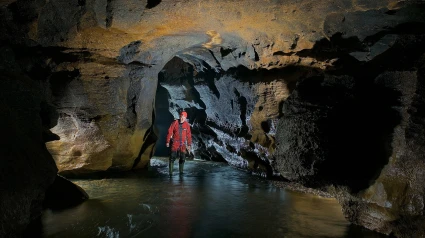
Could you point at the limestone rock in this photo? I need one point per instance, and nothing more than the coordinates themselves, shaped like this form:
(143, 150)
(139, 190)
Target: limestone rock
(363, 148)
(99, 120)
(233, 113)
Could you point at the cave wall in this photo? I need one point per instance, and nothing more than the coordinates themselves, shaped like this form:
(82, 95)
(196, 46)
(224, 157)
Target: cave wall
(356, 133)
(233, 113)
(100, 125)
(114, 51)
(26, 167)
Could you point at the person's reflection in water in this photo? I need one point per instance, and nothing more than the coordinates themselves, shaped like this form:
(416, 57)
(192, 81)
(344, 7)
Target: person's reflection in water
(180, 213)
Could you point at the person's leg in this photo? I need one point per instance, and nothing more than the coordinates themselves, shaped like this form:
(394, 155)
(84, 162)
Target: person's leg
(182, 158)
(173, 157)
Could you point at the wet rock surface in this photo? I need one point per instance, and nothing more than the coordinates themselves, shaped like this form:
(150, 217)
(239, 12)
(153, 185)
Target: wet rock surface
(233, 113)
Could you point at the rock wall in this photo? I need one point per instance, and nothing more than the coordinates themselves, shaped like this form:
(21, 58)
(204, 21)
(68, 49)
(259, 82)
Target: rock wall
(100, 126)
(358, 136)
(110, 49)
(232, 113)
(26, 167)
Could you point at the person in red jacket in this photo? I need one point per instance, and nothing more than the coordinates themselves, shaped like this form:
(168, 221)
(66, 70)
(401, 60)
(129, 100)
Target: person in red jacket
(181, 139)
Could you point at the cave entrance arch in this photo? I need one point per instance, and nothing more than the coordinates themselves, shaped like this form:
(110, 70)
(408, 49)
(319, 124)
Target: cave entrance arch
(220, 104)
(175, 92)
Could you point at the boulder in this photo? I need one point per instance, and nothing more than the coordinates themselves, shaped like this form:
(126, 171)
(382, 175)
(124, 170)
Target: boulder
(64, 194)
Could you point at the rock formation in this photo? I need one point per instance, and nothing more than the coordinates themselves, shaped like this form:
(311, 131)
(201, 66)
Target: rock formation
(64, 194)
(359, 137)
(26, 167)
(327, 94)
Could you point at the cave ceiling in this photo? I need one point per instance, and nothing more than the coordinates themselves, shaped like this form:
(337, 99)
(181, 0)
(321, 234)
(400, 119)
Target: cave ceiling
(273, 30)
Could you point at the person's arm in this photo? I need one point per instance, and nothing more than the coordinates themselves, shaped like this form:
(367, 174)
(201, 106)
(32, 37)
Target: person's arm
(170, 134)
(189, 137)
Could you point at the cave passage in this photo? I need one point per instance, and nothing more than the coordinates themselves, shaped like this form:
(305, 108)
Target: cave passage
(174, 79)
(176, 92)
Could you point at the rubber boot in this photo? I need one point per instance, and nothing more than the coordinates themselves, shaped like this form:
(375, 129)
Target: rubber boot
(171, 167)
(181, 166)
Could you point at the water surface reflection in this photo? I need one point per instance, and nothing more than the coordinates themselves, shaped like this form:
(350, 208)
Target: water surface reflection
(209, 200)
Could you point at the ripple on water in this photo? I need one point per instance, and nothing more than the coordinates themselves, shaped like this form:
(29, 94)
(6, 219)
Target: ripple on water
(209, 200)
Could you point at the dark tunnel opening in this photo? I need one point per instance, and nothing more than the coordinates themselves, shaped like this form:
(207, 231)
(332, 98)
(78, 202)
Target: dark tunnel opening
(162, 120)
(177, 78)
(152, 3)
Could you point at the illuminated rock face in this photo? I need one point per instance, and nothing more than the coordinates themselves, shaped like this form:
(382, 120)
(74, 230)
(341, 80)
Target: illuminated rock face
(125, 44)
(232, 113)
(360, 137)
(99, 126)
(98, 63)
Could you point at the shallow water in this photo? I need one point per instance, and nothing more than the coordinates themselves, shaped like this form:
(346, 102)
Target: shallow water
(209, 200)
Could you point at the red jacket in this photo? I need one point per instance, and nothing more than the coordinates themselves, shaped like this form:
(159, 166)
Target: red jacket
(186, 135)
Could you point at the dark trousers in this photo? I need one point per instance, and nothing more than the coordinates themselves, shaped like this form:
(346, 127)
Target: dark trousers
(174, 155)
